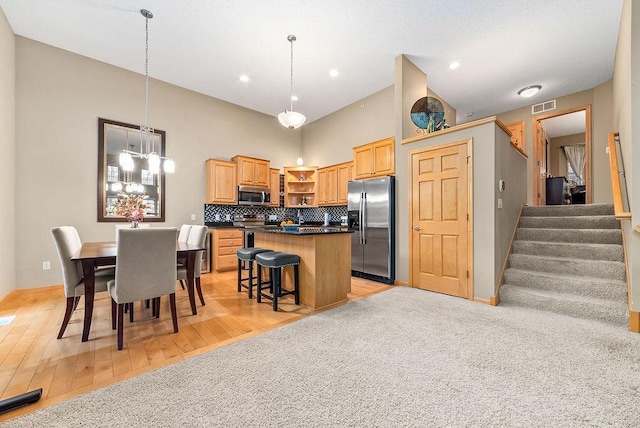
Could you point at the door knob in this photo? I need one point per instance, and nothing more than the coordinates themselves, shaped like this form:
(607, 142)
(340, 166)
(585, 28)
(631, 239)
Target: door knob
(416, 227)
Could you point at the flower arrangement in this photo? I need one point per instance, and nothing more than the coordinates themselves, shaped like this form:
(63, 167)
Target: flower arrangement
(130, 206)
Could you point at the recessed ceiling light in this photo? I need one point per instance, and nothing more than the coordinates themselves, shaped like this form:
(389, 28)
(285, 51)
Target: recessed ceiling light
(469, 114)
(333, 72)
(529, 91)
(244, 78)
(454, 65)
(294, 98)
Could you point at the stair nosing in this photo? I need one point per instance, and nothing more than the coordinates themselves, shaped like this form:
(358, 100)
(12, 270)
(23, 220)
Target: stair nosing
(552, 275)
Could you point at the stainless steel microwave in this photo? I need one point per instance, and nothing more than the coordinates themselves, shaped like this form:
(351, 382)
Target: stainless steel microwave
(253, 195)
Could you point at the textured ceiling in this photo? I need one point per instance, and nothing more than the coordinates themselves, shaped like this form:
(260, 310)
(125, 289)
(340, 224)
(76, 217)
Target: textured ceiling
(205, 45)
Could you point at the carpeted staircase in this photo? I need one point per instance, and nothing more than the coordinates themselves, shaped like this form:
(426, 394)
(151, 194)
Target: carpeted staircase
(568, 259)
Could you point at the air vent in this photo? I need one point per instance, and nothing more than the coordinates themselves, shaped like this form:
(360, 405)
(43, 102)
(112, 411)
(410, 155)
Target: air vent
(542, 107)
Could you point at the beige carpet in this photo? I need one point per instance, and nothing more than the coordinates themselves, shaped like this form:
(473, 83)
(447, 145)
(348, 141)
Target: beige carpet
(402, 358)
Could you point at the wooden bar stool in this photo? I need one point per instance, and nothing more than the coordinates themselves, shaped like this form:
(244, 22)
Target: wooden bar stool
(275, 261)
(248, 255)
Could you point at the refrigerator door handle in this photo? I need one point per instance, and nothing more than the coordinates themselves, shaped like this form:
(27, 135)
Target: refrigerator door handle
(361, 218)
(363, 224)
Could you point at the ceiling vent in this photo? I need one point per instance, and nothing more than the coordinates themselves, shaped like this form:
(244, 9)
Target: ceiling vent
(542, 107)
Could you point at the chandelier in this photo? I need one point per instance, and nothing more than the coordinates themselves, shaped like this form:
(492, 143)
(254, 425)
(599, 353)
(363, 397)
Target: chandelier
(289, 118)
(147, 140)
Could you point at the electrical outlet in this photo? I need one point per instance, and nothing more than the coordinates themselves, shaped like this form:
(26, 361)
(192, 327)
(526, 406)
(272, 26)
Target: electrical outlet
(193, 216)
(499, 203)
(228, 217)
(606, 150)
(46, 265)
(217, 217)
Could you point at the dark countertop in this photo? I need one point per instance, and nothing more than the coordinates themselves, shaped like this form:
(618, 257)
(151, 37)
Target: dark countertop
(305, 230)
(272, 225)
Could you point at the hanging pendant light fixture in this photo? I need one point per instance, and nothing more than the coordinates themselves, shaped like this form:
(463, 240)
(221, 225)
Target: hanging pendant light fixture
(289, 118)
(147, 140)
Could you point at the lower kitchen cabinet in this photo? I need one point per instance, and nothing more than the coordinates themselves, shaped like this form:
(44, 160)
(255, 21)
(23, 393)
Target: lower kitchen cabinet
(226, 241)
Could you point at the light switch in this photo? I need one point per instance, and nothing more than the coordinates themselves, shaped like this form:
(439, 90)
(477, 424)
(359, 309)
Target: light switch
(499, 203)
(193, 216)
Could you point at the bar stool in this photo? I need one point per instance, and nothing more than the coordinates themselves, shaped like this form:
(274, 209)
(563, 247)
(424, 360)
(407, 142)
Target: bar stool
(275, 261)
(248, 255)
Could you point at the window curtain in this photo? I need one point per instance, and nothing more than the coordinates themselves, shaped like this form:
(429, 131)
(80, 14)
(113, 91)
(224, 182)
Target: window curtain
(576, 157)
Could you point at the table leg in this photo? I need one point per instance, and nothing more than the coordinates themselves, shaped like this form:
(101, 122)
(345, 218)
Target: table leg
(89, 272)
(191, 264)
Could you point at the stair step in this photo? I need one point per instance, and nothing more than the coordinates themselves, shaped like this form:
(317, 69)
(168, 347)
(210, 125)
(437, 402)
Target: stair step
(569, 266)
(615, 313)
(600, 288)
(571, 222)
(578, 250)
(569, 210)
(590, 236)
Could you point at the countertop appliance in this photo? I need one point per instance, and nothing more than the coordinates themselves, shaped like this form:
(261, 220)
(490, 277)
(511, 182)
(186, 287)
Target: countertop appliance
(253, 195)
(249, 220)
(371, 216)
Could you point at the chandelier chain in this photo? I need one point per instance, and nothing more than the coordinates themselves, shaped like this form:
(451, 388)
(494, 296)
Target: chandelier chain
(291, 39)
(146, 73)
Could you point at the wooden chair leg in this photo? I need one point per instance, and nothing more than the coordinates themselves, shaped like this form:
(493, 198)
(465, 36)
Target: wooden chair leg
(76, 300)
(146, 303)
(174, 312)
(296, 284)
(156, 303)
(259, 285)
(120, 325)
(199, 288)
(113, 314)
(67, 315)
(239, 275)
(276, 275)
(130, 311)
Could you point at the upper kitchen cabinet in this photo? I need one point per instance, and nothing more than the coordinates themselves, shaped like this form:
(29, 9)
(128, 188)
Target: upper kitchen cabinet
(300, 187)
(252, 171)
(517, 135)
(375, 159)
(221, 187)
(274, 173)
(332, 184)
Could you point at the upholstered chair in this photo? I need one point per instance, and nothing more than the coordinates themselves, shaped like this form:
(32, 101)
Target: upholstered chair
(68, 243)
(145, 269)
(184, 232)
(197, 236)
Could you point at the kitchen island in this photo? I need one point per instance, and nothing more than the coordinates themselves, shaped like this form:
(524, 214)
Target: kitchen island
(325, 261)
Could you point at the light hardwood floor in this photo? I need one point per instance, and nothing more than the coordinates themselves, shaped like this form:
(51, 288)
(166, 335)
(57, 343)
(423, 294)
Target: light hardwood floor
(31, 357)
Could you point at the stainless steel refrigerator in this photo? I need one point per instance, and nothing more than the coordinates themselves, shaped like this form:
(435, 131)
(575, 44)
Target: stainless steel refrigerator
(371, 217)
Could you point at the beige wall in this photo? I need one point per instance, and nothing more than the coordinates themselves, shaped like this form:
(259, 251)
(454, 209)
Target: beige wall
(60, 96)
(600, 100)
(330, 140)
(557, 163)
(626, 120)
(7, 159)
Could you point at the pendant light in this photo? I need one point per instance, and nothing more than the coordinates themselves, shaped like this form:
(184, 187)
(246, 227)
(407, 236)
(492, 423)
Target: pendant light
(147, 140)
(289, 118)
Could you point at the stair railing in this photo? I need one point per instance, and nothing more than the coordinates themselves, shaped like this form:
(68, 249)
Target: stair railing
(617, 170)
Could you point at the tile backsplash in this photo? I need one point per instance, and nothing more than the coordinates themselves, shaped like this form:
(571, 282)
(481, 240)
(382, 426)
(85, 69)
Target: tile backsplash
(221, 213)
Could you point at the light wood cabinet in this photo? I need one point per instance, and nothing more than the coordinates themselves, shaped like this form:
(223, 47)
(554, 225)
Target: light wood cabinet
(221, 184)
(375, 159)
(252, 171)
(345, 174)
(225, 243)
(332, 184)
(274, 181)
(300, 187)
(517, 134)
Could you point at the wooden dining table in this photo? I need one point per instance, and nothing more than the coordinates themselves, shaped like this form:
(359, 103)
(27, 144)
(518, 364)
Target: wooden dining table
(95, 254)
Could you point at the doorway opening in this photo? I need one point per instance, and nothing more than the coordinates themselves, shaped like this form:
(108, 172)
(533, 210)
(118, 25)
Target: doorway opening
(562, 157)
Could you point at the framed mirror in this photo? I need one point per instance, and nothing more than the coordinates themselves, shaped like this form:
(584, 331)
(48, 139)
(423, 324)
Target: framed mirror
(114, 179)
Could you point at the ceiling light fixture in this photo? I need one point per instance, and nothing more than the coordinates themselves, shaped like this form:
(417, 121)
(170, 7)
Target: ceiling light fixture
(333, 73)
(147, 140)
(244, 78)
(529, 91)
(289, 118)
(454, 65)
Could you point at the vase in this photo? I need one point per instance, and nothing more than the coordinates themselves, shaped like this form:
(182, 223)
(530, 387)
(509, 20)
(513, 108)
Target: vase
(134, 225)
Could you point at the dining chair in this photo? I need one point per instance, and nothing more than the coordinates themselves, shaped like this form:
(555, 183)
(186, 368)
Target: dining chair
(68, 243)
(183, 236)
(145, 269)
(197, 236)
